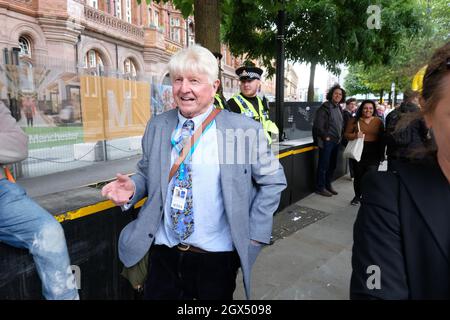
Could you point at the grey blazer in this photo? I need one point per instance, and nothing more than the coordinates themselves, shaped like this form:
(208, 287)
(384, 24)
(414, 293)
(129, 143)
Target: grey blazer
(251, 188)
(13, 141)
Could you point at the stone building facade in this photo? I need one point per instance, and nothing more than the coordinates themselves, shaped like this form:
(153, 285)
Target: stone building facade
(54, 41)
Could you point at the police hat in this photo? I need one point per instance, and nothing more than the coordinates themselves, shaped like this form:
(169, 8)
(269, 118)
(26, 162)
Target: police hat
(218, 55)
(249, 73)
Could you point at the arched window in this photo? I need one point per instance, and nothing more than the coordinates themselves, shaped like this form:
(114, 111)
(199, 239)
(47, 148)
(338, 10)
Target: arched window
(166, 80)
(129, 69)
(93, 61)
(25, 47)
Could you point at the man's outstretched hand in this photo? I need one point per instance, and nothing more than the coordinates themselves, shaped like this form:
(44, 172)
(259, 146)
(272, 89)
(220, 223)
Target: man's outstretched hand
(119, 191)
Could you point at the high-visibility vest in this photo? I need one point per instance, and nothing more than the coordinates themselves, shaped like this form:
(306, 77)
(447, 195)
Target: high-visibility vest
(218, 101)
(261, 115)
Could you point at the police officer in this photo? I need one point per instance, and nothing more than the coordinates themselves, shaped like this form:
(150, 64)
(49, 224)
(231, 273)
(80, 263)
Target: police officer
(248, 103)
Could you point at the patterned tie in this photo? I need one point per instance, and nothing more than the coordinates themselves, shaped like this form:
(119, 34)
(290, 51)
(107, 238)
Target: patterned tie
(183, 220)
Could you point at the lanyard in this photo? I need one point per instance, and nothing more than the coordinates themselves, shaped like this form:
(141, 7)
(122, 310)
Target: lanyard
(191, 151)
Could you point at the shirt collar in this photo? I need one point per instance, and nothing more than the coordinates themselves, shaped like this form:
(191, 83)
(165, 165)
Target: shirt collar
(197, 119)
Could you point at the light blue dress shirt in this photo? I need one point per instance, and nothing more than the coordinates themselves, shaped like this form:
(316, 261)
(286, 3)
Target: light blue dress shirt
(211, 227)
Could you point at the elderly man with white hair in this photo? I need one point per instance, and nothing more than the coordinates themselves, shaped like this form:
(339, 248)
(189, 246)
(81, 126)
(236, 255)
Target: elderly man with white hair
(212, 184)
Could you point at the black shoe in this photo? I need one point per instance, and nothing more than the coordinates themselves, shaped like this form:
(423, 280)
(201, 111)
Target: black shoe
(355, 201)
(271, 242)
(331, 190)
(324, 193)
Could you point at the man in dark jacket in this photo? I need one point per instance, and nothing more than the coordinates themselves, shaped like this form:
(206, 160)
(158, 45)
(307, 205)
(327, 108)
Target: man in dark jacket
(327, 135)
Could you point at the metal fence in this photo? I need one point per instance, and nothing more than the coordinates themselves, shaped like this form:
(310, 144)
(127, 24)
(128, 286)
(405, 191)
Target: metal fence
(56, 110)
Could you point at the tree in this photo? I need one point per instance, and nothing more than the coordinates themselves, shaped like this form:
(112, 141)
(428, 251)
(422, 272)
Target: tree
(411, 55)
(327, 32)
(373, 80)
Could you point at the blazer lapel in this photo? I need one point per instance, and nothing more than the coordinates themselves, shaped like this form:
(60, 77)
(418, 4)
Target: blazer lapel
(431, 200)
(225, 168)
(166, 150)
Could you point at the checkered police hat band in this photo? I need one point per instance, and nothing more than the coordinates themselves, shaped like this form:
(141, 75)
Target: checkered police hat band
(253, 75)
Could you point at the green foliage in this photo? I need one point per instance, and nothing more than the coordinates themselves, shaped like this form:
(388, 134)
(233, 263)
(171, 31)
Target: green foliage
(410, 55)
(334, 32)
(328, 32)
(249, 29)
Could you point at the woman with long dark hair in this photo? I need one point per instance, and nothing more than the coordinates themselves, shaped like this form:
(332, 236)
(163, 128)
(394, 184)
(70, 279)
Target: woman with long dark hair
(366, 124)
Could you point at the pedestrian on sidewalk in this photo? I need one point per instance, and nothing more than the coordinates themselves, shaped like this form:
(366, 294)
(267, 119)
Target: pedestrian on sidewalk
(24, 224)
(29, 108)
(349, 113)
(327, 134)
(204, 217)
(366, 124)
(401, 239)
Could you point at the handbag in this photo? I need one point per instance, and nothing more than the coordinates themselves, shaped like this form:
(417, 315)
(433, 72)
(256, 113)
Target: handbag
(137, 274)
(355, 147)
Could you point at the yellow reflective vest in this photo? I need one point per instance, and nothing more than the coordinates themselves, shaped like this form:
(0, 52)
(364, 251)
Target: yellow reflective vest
(218, 102)
(261, 115)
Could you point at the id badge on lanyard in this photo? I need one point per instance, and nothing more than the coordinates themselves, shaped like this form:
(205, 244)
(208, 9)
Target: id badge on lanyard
(179, 198)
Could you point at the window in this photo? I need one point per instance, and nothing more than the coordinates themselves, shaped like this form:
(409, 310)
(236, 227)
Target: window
(26, 77)
(191, 33)
(25, 47)
(149, 17)
(92, 59)
(93, 3)
(175, 29)
(156, 19)
(94, 62)
(128, 10)
(119, 9)
(129, 69)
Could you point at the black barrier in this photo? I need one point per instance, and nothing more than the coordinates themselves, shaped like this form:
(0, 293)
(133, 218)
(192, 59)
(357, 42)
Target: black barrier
(298, 118)
(92, 227)
(92, 243)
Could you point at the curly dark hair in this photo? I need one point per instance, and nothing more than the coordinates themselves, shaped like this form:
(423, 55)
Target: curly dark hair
(331, 91)
(361, 106)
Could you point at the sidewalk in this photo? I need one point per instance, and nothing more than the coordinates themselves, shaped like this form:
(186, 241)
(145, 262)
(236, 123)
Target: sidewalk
(310, 258)
(313, 262)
